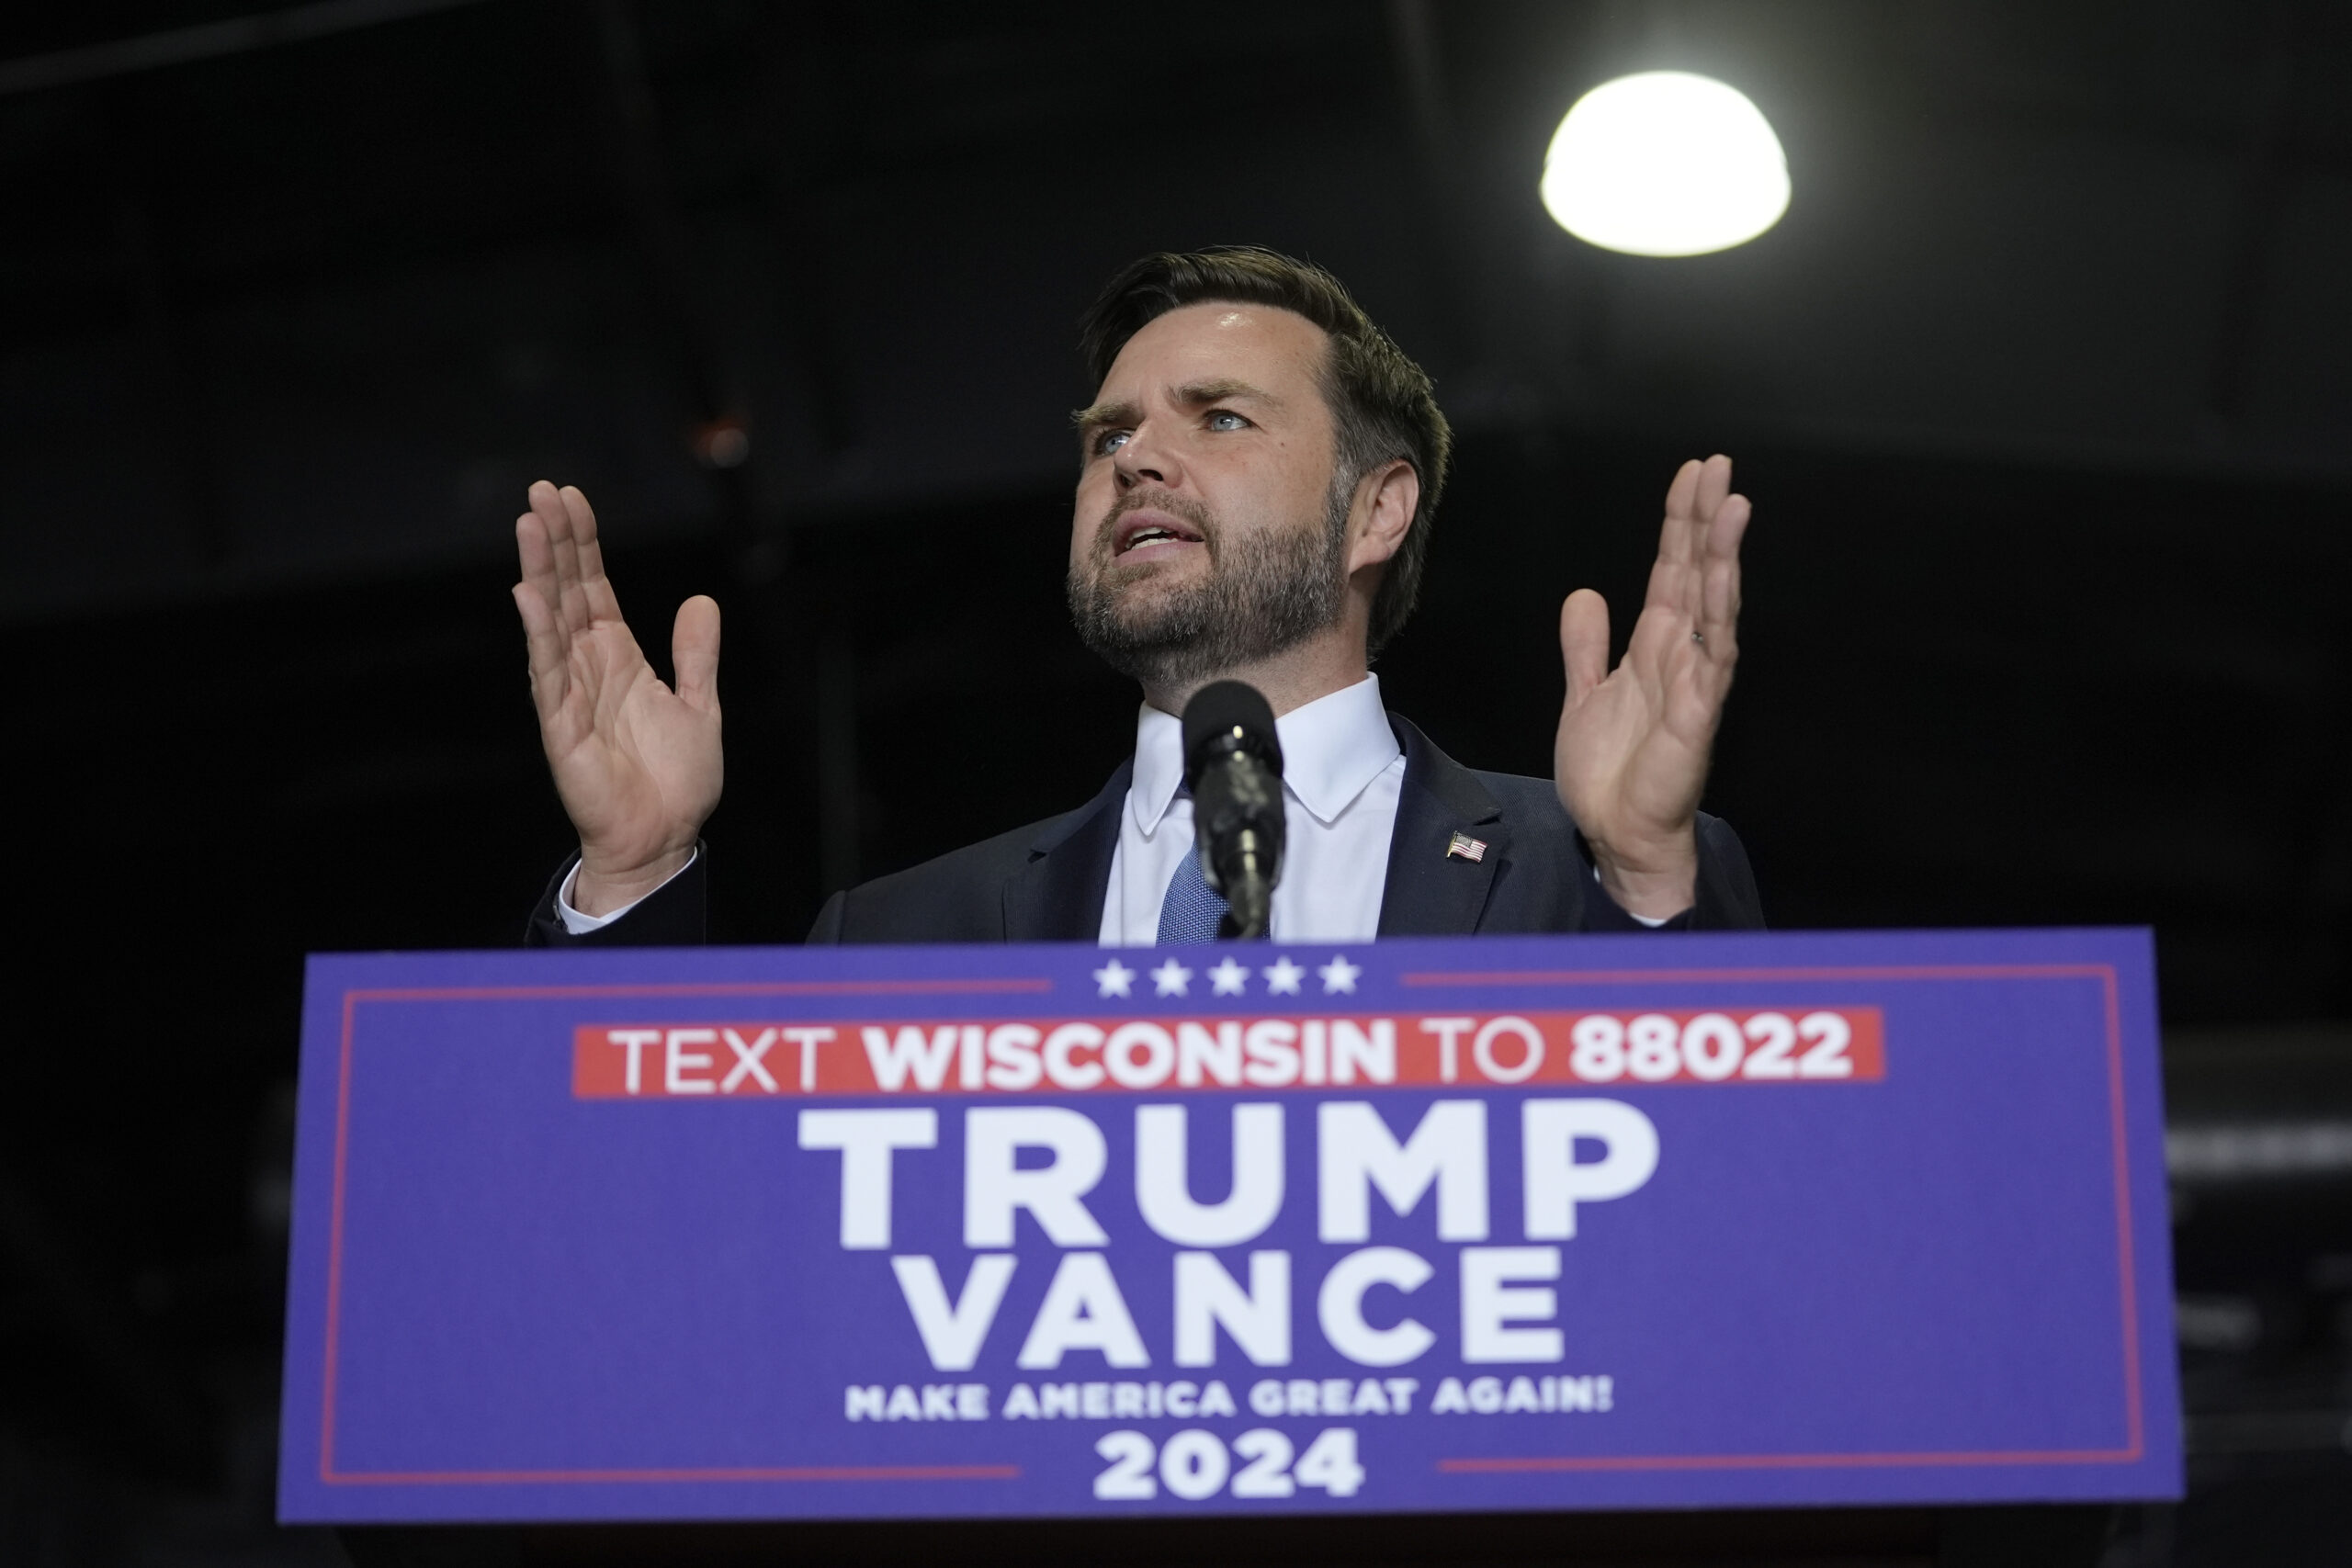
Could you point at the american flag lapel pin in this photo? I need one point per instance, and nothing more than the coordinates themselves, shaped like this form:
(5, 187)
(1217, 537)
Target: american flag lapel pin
(1466, 847)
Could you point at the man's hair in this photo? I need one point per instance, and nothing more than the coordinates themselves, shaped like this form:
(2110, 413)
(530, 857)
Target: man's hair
(1383, 405)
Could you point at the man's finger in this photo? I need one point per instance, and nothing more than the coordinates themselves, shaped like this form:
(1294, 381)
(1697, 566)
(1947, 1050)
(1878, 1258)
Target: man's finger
(596, 589)
(1719, 601)
(536, 555)
(1584, 642)
(1715, 484)
(543, 638)
(546, 505)
(1710, 483)
(1672, 585)
(693, 653)
(1678, 540)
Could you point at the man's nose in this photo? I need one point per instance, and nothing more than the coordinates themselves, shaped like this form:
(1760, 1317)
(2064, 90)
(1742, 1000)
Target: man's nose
(1144, 458)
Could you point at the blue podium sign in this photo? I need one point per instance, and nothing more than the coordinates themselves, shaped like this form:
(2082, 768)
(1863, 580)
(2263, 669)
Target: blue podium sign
(1444, 1225)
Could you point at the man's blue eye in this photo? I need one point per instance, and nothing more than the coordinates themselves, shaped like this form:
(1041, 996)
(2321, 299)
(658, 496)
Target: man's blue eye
(1217, 420)
(1110, 439)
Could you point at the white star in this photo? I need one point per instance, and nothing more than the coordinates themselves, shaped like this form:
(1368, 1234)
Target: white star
(1229, 978)
(1113, 977)
(1338, 976)
(1283, 977)
(1169, 979)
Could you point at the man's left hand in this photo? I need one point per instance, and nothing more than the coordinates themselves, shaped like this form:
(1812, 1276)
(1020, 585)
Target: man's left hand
(1632, 755)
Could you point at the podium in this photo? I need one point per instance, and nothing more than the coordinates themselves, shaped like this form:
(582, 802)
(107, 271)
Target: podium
(1848, 1246)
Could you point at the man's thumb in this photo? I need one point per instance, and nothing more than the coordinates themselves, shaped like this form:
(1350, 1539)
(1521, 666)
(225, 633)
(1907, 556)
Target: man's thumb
(1584, 642)
(694, 652)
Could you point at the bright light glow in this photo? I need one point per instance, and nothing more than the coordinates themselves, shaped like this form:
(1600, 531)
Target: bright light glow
(1665, 164)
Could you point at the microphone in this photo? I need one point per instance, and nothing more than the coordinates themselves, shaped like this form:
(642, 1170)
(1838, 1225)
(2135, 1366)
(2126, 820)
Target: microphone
(1233, 766)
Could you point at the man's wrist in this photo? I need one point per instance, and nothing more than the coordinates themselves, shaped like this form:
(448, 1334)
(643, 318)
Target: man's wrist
(1656, 886)
(600, 891)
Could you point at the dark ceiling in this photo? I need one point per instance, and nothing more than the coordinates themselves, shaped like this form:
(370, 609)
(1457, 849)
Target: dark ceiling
(318, 309)
(2040, 386)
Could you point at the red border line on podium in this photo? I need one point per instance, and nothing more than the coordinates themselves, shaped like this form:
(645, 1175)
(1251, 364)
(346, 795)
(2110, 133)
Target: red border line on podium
(798, 1472)
(1786, 1461)
(331, 1476)
(2136, 1446)
(1860, 972)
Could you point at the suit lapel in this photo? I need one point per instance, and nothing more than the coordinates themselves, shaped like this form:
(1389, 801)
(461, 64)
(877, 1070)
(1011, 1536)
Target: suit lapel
(1058, 895)
(1430, 891)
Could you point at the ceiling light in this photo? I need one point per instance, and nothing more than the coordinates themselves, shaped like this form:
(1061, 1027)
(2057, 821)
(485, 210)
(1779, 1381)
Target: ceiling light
(1665, 164)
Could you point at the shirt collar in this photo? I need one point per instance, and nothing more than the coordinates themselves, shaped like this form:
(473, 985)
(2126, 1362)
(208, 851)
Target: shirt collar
(1332, 749)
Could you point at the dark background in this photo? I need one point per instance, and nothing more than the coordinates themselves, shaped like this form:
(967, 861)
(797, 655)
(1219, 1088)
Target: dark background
(2040, 388)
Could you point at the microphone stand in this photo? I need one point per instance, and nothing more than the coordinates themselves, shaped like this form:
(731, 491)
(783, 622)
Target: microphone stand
(1234, 764)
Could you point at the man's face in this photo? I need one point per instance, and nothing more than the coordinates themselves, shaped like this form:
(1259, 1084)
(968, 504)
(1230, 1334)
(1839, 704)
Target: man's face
(1205, 534)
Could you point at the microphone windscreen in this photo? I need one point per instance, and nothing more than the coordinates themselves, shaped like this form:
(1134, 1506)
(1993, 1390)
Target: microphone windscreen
(1220, 708)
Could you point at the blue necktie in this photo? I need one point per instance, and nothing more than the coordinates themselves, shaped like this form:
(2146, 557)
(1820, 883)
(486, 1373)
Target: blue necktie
(1191, 912)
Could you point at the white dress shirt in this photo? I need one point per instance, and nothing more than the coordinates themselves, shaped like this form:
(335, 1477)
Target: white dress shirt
(1343, 774)
(579, 924)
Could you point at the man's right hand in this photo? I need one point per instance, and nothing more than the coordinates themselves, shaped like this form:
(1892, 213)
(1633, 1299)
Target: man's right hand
(638, 766)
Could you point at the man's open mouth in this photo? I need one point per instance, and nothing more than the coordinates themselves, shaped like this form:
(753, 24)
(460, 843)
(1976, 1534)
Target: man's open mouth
(1143, 530)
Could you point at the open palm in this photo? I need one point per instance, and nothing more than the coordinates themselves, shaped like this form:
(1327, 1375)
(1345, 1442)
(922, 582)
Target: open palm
(638, 766)
(1630, 758)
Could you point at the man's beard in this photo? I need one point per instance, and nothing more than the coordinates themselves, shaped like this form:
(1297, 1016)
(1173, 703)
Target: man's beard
(1267, 591)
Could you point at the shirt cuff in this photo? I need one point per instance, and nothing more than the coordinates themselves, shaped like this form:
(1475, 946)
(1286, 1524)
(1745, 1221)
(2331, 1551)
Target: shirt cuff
(577, 924)
(1652, 921)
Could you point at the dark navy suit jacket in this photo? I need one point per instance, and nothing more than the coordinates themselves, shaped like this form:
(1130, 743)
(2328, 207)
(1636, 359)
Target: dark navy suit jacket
(1046, 882)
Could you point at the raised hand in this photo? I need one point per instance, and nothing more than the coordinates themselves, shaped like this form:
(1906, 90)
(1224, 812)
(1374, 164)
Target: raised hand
(1634, 742)
(637, 764)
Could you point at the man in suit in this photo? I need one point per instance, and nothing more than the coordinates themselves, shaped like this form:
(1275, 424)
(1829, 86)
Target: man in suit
(1259, 473)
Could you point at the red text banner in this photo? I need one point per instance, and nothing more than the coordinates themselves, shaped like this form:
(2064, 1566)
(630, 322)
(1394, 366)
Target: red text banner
(780, 1058)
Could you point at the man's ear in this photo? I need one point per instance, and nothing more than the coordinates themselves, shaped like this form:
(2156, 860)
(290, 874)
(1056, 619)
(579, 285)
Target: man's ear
(1386, 499)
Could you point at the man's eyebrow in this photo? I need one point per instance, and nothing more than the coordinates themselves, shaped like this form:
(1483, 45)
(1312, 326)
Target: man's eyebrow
(1193, 394)
(1101, 414)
